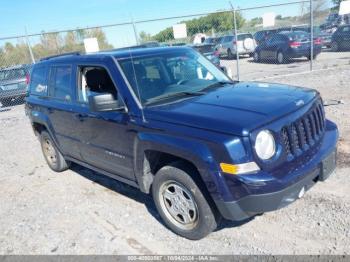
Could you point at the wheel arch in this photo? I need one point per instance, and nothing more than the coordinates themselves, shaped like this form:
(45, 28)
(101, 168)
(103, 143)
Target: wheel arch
(155, 151)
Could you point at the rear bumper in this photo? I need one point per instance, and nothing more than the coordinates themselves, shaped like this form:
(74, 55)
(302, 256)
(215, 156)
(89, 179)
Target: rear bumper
(253, 204)
(13, 94)
(293, 53)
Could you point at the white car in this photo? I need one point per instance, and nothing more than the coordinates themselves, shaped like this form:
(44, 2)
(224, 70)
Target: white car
(228, 46)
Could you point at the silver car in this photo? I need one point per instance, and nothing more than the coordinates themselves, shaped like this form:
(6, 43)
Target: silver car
(228, 46)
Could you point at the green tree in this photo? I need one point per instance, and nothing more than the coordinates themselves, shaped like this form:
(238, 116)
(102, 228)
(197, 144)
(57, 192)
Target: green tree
(218, 22)
(145, 37)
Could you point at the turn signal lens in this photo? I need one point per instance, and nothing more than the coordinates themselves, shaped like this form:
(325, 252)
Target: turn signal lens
(239, 169)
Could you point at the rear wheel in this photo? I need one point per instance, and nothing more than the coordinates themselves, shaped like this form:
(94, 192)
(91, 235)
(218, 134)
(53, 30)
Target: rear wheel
(182, 203)
(313, 57)
(335, 46)
(53, 157)
(281, 59)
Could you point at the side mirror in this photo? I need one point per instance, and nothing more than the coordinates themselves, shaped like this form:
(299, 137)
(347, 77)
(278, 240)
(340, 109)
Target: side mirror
(104, 103)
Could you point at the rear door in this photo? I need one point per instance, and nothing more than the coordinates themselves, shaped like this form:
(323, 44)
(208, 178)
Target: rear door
(60, 109)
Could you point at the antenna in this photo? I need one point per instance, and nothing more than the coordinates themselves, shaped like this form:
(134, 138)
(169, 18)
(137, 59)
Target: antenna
(137, 86)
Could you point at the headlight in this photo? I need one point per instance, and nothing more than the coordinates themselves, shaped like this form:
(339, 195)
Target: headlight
(265, 145)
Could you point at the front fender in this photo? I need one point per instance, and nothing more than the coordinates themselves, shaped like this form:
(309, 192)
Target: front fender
(196, 152)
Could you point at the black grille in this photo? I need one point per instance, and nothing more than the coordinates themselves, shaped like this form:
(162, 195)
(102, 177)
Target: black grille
(305, 132)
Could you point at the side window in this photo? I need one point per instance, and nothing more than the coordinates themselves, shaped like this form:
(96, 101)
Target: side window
(38, 84)
(94, 80)
(346, 29)
(60, 82)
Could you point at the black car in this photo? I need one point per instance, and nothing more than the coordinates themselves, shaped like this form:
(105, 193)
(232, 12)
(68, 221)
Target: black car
(208, 50)
(13, 84)
(286, 45)
(341, 39)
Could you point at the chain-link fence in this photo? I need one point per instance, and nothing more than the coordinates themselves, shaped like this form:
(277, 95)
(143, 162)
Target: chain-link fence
(252, 43)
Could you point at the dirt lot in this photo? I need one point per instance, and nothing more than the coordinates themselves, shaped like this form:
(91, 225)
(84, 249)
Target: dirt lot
(81, 212)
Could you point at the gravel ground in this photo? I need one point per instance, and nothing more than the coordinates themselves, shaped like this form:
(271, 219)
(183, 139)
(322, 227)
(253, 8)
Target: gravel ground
(81, 212)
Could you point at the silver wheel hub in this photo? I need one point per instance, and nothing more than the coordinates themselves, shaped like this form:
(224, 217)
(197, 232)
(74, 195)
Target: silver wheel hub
(50, 152)
(178, 205)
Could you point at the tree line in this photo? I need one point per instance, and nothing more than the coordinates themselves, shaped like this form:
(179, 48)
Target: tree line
(49, 44)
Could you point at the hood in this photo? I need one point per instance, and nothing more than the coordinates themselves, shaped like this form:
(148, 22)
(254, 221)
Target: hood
(234, 109)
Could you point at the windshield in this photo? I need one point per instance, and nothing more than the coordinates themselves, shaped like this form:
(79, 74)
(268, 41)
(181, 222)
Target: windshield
(159, 77)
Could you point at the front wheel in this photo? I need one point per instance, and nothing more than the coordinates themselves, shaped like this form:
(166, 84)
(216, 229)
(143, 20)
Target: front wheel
(229, 54)
(182, 203)
(256, 57)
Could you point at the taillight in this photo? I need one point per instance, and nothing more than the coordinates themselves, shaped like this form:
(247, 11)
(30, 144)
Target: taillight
(27, 79)
(318, 41)
(294, 44)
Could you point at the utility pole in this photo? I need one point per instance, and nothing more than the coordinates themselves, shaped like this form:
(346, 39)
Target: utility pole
(135, 31)
(312, 34)
(235, 30)
(29, 46)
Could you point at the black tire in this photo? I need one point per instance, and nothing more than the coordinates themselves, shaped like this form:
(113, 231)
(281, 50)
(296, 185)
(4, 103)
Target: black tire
(179, 177)
(314, 57)
(281, 58)
(229, 54)
(6, 103)
(335, 46)
(52, 155)
(256, 57)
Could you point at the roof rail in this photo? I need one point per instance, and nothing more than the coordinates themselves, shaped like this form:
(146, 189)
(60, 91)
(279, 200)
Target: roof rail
(59, 55)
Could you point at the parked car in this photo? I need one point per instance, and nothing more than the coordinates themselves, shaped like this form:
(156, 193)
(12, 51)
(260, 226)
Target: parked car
(171, 124)
(13, 84)
(208, 50)
(286, 45)
(228, 46)
(341, 39)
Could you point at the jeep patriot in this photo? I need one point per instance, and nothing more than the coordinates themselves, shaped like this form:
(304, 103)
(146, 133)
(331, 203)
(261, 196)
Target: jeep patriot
(170, 123)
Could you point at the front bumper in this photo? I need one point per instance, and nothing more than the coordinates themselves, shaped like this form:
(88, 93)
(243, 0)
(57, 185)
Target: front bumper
(319, 169)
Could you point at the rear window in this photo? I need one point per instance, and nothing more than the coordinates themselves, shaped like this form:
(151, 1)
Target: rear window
(38, 84)
(60, 82)
(204, 49)
(243, 37)
(300, 36)
(12, 74)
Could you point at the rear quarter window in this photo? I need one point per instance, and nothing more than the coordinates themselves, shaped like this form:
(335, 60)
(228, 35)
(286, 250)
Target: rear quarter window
(38, 83)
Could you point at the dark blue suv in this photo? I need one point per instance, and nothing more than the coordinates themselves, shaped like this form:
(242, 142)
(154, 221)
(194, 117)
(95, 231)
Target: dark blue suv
(170, 123)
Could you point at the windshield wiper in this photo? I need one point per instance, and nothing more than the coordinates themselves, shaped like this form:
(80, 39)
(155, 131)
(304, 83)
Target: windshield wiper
(171, 95)
(217, 84)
